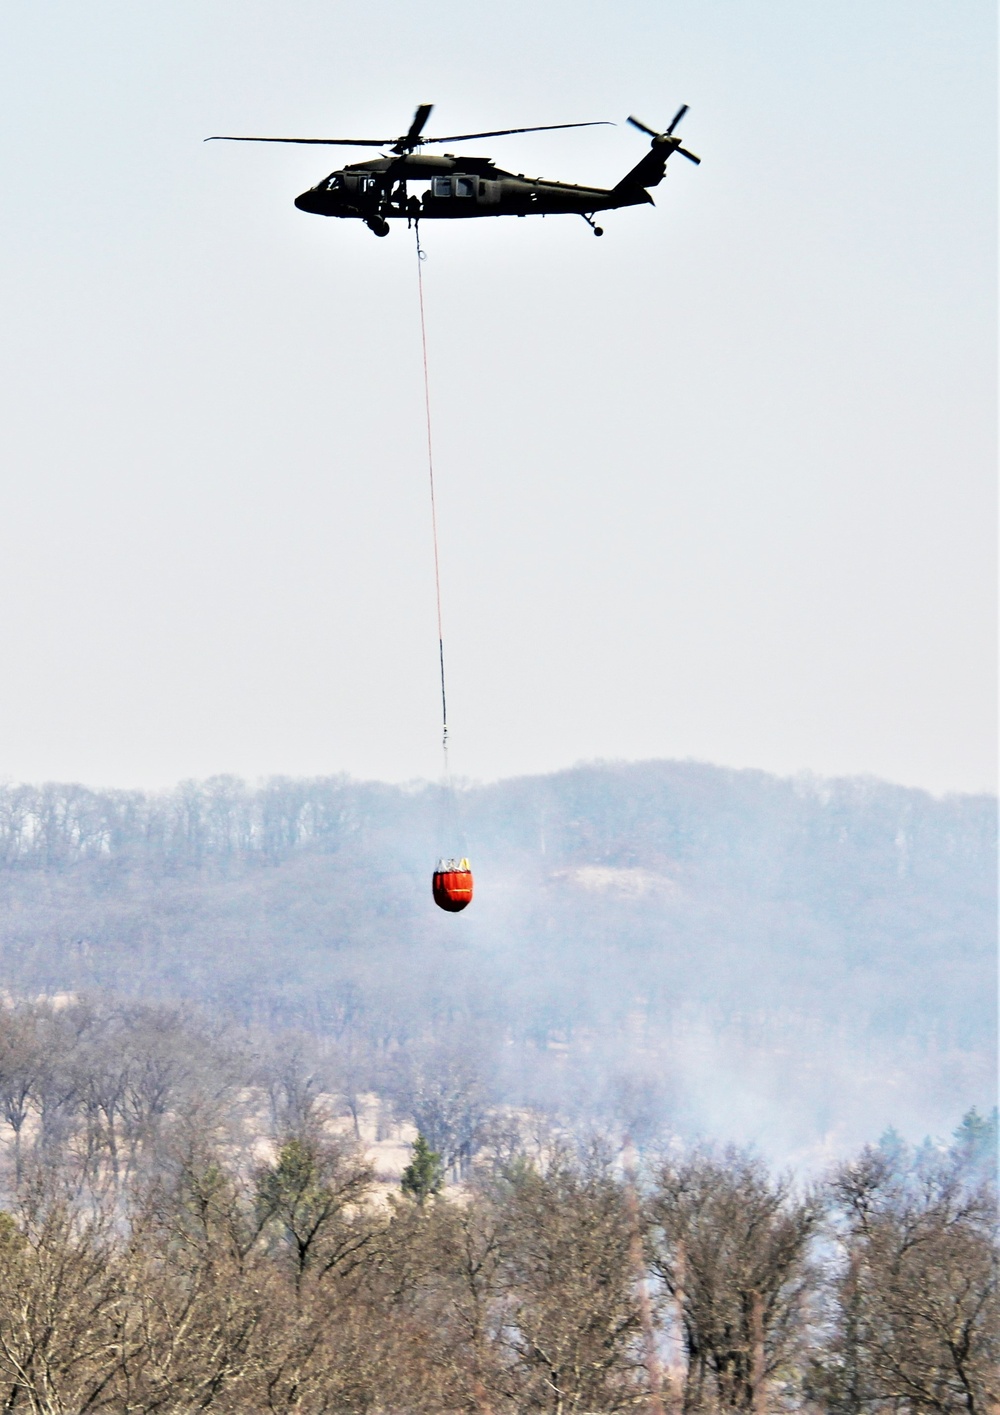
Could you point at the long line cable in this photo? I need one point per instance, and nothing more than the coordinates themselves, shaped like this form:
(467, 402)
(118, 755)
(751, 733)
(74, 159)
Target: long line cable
(421, 257)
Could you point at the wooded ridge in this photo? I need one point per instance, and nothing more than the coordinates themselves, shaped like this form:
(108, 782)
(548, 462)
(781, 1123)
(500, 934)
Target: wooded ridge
(656, 945)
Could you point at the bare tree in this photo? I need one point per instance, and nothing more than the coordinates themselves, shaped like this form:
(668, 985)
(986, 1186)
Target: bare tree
(572, 1327)
(63, 1034)
(470, 1262)
(101, 1071)
(194, 1320)
(62, 1305)
(916, 1296)
(354, 1070)
(293, 1073)
(441, 1090)
(160, 1060)
(731, 1248)
(22, 1064)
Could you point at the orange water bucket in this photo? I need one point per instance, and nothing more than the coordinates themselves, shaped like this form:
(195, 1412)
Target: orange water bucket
(452, 885)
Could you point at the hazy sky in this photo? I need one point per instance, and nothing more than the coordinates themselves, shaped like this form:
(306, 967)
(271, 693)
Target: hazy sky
(720, 485)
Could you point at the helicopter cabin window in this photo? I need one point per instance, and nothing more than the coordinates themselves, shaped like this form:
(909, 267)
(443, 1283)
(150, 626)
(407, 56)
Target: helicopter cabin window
(453, 186)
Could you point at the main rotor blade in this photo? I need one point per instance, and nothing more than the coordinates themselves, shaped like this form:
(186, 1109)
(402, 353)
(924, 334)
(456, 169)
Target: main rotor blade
(322, 142)
(642, 128)
(505, 132)
(677, 118)
(412, 138)
(415, 129)
(690, 156)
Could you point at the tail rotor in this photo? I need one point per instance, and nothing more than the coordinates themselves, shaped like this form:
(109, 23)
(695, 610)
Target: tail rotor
(667, 139)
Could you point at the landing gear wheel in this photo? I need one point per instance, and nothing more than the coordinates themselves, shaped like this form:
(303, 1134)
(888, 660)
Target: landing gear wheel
(598, 230)
(378, 225)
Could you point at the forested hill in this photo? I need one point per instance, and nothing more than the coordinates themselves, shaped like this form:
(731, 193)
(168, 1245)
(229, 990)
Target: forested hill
(662, 945)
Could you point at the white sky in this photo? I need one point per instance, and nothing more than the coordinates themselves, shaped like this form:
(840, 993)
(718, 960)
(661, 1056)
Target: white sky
(720, 485)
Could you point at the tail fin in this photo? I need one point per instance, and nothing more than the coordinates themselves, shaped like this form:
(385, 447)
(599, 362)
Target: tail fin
(650, 171)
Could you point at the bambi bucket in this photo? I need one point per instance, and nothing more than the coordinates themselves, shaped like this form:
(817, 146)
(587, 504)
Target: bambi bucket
(452, 885)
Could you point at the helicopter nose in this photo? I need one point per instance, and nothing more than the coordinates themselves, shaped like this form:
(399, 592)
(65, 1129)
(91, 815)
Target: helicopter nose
(307, 201)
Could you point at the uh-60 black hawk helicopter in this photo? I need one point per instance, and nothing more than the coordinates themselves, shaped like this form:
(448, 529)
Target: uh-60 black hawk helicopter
(376, 191)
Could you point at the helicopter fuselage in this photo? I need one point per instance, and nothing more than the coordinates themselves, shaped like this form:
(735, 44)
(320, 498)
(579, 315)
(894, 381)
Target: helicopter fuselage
(459, 188)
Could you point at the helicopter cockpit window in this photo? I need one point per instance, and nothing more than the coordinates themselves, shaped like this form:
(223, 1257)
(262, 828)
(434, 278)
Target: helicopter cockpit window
(333, 182)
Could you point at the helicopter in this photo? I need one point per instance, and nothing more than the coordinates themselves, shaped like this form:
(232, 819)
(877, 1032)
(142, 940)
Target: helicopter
(460, 187)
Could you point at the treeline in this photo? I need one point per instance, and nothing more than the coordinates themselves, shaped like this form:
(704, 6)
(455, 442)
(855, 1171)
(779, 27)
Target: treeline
(184, 1229)
(189, 1223)
(101, 1079)
(56, 826)
(645, 813)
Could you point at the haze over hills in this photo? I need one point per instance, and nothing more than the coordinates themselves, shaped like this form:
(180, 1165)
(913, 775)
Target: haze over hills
(661, 946)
